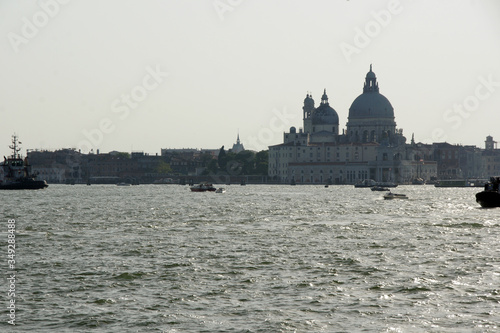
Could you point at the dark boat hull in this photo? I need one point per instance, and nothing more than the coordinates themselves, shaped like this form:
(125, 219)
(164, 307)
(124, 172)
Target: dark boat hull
(25, 185)
(488, 199)
(203, 190)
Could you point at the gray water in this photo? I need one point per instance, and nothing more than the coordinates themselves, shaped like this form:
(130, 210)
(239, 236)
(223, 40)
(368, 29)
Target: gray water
(255, 259)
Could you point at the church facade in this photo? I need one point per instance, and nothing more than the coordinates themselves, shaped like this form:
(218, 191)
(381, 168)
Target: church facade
(371, 147)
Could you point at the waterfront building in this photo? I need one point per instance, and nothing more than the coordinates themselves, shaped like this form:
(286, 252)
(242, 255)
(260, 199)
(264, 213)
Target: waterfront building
(57, 166)
(490, 158)
(371, 147)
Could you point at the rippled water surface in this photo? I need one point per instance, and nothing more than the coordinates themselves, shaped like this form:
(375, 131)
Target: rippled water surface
(254, 259)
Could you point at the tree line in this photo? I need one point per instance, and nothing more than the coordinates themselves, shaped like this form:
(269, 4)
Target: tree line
(243, 163)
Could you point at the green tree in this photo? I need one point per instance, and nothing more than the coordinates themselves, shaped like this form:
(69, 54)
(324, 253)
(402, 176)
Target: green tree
(206, 159)
(247, 160)
(262, 162)
(211, 168)
(233, 166)
(123, 155)
(163, 167)
(222, 158)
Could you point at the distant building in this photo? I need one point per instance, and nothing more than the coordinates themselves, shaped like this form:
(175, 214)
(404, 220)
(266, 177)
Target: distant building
(490, 158)
(489, 144)
(238, 146)
(189, 151)
(189, 161)
(370, 148)
(57, 166)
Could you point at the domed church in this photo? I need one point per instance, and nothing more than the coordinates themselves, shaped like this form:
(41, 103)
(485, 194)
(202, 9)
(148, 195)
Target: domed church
(369, 148)
(371, 115)
(322, 123)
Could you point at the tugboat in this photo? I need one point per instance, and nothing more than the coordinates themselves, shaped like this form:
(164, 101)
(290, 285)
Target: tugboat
(490, 197)
(17, 172)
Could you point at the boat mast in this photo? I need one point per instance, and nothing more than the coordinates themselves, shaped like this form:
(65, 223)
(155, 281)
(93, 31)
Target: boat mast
(15, 147)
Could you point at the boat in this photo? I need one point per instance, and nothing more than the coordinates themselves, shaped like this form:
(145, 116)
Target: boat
(418, 181)
(366, 183)
(16, 172)
(220, 190)
(371, 183)
(459, 183)
(387, 184)
(379, 188)
(203, 187)
(164, 181)
(490, 197)
(390, 196)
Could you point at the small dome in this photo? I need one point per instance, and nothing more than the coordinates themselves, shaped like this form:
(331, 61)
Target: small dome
(308, 98)
(370, 75)
(293, 129)
(324, 115)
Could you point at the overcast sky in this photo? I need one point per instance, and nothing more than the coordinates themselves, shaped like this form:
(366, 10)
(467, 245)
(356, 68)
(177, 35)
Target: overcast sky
(145, 75)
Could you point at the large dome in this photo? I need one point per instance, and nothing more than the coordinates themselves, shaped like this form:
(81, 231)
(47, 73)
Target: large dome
(371, 103)
(324, 114)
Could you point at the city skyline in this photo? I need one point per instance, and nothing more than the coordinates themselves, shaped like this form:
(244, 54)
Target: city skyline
(145, 76)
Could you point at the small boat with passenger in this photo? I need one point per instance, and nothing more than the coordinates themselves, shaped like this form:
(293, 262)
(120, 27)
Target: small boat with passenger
(490, 197)
(390, 196)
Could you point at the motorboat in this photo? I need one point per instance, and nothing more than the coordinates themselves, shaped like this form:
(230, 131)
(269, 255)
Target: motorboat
(220, 190)
(418, 181)
(379, 188)
(490, 197)
(366, 183)
(203, 187)
(390, 196)
(387, 184)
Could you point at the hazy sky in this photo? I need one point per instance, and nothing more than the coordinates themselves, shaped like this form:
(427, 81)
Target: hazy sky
(145, 75)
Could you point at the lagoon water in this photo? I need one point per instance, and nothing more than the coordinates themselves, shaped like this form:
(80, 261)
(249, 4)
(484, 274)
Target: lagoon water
(258, 258)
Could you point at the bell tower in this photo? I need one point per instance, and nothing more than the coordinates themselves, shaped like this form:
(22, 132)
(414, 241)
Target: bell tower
(308, 109)
(489, 144)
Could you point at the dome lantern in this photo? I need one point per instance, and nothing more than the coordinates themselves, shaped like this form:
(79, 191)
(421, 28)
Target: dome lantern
(371, 84)
(324, 98)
